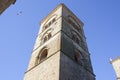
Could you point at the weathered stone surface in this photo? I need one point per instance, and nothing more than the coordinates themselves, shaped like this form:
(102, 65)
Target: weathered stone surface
(46, 70)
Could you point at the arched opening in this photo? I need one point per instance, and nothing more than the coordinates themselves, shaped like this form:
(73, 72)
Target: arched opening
(44, 54)
(45, 39)
(46, 27)
(49, 35)
(41, 56)
(77, 40)
(53, 20)
(77, 56)
(73, 37)
(49, 22)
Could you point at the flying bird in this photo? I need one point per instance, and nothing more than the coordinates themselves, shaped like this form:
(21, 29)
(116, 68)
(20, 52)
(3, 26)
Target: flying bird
(19, 13)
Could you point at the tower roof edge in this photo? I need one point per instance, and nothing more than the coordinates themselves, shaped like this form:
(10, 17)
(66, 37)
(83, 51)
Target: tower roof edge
(60, 5)
(63, 6)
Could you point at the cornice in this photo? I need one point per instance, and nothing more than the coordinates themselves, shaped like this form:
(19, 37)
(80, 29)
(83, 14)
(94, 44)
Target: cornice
(63, 7)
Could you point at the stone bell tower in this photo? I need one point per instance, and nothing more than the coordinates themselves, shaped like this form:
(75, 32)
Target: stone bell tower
(60, 51)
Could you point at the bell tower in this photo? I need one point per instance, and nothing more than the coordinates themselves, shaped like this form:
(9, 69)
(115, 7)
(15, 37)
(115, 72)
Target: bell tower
(60, 51)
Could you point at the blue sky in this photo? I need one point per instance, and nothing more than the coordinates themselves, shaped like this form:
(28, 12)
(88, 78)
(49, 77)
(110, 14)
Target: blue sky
(18, 33)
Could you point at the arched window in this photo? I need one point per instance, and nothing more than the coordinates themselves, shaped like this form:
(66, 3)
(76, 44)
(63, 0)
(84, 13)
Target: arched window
(49, 35)
(53, 20)
(46, 27)
(49, 23)
(75, 24)
(41, 56)
(44, 54)
(45, 39)
(46, 35)
(77, 41)
(75, 38)
(77, 56)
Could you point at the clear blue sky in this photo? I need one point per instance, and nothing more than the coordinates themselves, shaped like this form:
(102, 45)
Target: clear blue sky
(18, 33)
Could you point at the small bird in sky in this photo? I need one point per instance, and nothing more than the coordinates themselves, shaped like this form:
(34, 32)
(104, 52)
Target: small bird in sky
(19, 13)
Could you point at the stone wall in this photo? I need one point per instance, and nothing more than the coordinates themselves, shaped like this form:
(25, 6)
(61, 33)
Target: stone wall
(46, 70)
(70, 70)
